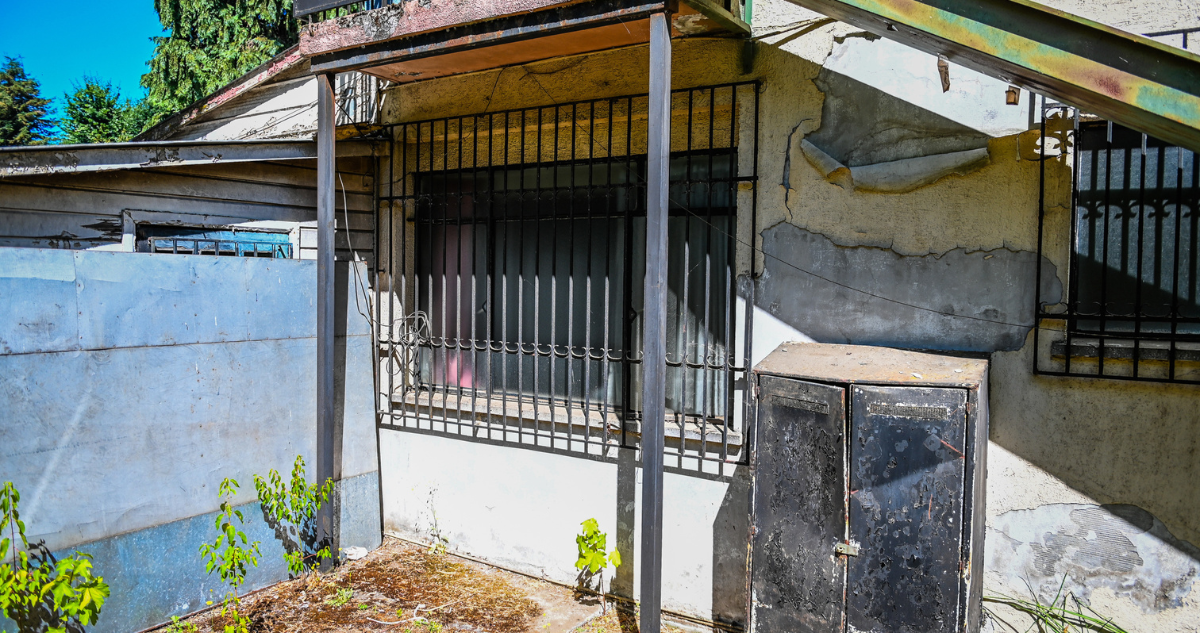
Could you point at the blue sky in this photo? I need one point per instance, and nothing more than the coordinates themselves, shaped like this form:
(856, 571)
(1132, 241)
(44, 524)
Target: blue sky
(62, 42)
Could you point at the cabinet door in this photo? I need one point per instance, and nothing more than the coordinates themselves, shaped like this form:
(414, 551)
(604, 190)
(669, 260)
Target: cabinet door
(799, 507)
(906, 482)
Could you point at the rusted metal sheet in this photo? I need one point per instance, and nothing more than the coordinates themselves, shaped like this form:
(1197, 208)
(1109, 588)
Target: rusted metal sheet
(1127, 78)
(800, 507)
(406, 19)
(512, 28)
(906, 500)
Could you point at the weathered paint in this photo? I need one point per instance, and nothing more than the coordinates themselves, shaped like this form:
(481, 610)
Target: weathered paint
(403, 19)
(132, 384)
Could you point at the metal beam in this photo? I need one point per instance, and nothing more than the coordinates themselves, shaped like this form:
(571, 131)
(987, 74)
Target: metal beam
(1138, 82)
(654, 323)
(326, 171)
(70, 159)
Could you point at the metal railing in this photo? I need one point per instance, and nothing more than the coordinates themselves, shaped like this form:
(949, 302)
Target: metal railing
(309, 11)
(511, 256)
(225, 248)
(358, 97)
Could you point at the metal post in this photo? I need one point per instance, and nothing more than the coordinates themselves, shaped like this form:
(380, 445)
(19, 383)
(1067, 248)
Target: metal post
(325, 296)
(654, 332)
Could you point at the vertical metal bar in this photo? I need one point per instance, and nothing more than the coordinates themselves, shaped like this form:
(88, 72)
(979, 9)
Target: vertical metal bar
(655, 322)
(1073, 266)
(474, 314)
(627, 312)
(521, 289)
(1037, 282)
(445, 224)
(490, 262)
(1175, 262)
(748, 402)
(537, 279)
(1108, 169)
(730, 272)
(1137, 283)
(326, 425)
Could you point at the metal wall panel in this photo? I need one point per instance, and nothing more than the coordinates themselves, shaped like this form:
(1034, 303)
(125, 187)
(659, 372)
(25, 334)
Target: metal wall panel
(906, 508)
(799, 507)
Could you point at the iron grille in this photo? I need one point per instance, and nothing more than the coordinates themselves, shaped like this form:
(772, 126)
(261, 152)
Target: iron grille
(1132, 305)
(510, 273)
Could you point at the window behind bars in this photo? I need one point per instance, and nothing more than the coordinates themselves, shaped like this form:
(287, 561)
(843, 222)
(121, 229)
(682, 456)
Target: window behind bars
(512, 271)
(1132, 309)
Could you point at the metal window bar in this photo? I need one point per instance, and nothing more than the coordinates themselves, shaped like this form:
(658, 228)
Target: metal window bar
(1132, 306)
(225, 248)
(511, 252)
(357, 98)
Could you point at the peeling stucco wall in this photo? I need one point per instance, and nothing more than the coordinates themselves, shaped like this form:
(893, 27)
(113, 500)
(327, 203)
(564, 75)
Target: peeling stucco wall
(946, 264)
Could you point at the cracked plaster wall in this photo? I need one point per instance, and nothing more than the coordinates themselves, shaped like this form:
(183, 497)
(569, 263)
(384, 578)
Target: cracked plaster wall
(965, 244)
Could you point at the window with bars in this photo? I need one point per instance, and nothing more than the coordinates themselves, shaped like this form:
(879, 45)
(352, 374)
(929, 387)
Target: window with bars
(513, 263)
(213, 241)
(1132, 308)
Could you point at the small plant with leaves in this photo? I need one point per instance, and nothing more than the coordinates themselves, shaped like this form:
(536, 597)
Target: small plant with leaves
(37, 592)
(292, 510)
(341, 597)
(594, 556)
(230, 555)
(1064, 614)
(179, 626)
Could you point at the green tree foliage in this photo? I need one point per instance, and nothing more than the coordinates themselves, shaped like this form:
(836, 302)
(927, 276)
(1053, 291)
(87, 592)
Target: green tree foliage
(24, 114)
(95, 113)
(292, 512)
(36, 591)
(211, 43)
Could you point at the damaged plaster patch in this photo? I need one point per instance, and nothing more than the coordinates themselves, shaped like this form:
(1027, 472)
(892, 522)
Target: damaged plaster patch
(898, 176)
(1119, 547)
(970, 301)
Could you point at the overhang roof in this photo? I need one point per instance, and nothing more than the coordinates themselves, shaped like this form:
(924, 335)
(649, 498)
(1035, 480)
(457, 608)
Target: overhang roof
(63, 159)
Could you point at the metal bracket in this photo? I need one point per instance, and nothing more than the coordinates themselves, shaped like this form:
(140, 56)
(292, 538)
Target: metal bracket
(846, 549)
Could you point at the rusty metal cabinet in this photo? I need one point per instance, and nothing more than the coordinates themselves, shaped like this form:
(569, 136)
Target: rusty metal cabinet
(868, 468)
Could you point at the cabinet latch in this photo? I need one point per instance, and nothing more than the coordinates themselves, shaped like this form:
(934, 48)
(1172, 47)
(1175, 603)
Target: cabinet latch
(846, 549)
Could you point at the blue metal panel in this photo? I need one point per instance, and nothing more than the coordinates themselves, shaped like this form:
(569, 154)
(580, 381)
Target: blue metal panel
(37, 301)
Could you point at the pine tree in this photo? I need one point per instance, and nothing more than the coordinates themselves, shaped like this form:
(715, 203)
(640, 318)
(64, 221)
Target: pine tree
(24, 114)
(211, 43)
(95, 113)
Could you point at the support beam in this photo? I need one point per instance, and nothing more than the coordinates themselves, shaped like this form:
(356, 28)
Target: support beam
(654, 328)
(1126, 78)
(326, 425)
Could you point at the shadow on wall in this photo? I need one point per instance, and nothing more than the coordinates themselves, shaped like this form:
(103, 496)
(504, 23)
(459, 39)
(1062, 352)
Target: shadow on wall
(731, 534)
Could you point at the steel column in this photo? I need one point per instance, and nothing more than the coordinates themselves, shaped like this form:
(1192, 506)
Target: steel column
(326, 123)
(654, 328)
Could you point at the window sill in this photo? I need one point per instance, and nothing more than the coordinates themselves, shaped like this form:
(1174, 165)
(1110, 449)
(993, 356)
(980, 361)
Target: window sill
(557, 417)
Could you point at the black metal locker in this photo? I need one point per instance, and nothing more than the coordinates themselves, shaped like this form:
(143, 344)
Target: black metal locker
(867, 468)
